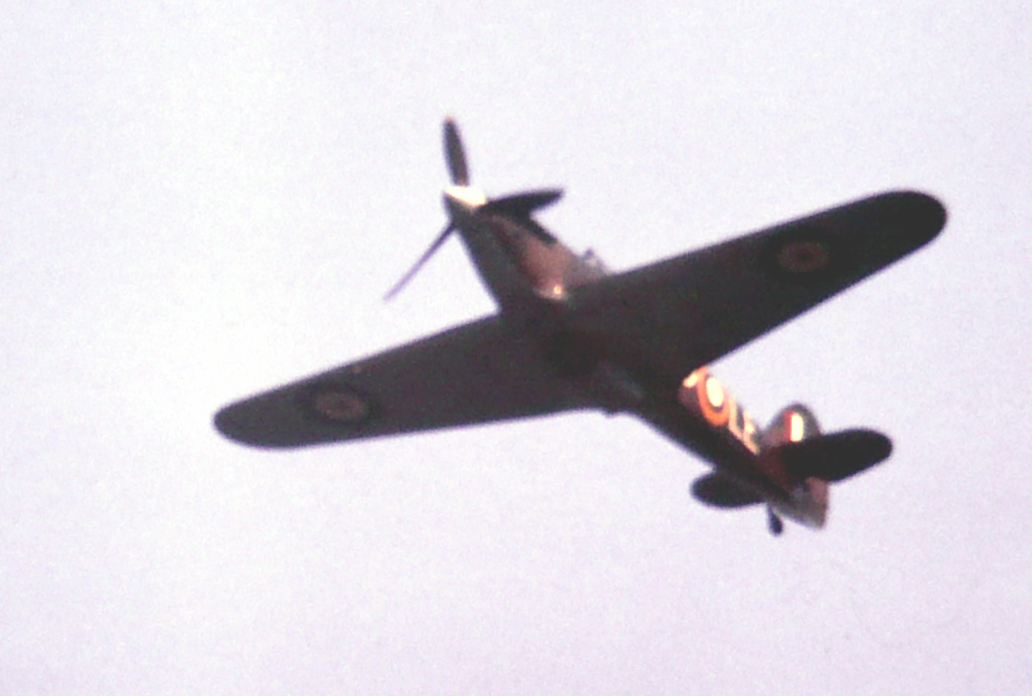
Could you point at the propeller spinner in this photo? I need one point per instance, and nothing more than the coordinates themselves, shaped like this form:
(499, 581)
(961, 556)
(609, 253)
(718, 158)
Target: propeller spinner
(518, 206)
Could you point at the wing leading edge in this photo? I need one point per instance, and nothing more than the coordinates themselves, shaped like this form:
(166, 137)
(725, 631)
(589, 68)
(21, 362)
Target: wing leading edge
(677, 315)
(666, 319)
(474, 373)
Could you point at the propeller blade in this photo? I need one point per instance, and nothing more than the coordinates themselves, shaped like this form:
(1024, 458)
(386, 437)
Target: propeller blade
(455, 154)
(523, 204)
(520, 206)
(419, 264)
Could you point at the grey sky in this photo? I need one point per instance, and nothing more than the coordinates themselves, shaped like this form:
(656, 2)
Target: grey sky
(201, 200)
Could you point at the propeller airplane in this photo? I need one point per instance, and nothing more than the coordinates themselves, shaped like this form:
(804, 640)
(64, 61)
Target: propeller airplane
(569, 335)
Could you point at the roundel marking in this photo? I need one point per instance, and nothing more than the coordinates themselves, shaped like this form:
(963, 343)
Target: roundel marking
(714, 393)
(803, 256)
(339, 405)
(713, 401)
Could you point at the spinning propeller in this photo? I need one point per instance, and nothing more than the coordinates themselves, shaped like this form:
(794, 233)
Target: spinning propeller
(517, 207)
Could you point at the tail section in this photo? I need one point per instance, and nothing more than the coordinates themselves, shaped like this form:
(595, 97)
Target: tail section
(798, 463)
(795, 445)
(807, 500)
(834, 457)
(796, 454)
(793, 423)
(720, 491)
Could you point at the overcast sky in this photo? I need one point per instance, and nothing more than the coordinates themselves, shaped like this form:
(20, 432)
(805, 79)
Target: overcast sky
(202, 200)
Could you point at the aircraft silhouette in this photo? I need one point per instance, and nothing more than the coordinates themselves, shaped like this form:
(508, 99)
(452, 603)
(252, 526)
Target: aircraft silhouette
(570, 335)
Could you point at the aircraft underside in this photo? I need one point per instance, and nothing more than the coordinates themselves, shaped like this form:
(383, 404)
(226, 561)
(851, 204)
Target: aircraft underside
(569, 335)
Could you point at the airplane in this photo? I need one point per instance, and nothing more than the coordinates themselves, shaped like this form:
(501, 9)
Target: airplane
(570, 335)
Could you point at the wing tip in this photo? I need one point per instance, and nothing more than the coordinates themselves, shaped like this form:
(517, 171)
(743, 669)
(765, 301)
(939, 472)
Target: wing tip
(316, 411)
(922, 215)
(869, 444)
(230, 425)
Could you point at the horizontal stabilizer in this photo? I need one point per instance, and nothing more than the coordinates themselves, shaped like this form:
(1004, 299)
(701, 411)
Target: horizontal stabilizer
(833, 457)
(722, 492)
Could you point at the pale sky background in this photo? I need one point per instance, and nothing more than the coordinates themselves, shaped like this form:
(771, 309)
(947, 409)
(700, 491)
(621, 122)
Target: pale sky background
(201, 200)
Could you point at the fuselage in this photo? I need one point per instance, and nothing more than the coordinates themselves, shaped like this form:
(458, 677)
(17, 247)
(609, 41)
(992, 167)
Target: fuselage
(535, 285)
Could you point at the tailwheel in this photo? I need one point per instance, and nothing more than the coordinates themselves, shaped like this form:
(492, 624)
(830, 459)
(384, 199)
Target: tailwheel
(774, 523)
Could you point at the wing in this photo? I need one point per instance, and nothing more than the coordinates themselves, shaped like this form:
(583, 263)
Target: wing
(674, 316)
(474, 373)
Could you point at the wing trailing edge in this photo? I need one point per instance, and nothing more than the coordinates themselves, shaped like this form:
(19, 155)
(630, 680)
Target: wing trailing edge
(479, 372)
(688, 311)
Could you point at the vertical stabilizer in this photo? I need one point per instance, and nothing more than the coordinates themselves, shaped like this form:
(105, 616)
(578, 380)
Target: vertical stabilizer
(807, 495)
